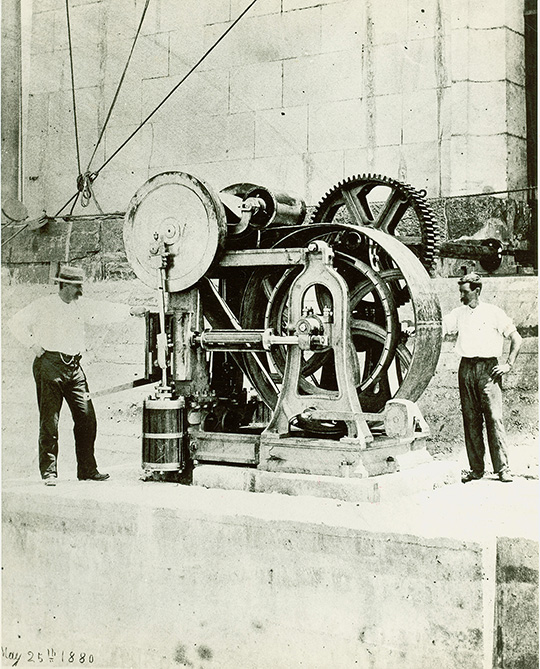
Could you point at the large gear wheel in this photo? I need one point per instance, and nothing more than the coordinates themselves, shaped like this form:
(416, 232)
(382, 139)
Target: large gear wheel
(380, 202)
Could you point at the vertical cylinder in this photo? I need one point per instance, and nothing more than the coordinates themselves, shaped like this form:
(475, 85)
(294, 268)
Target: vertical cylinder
(163, 434)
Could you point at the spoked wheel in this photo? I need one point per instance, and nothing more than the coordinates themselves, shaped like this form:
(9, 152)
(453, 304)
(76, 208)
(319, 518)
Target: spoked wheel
(384, 204)
(385, 304)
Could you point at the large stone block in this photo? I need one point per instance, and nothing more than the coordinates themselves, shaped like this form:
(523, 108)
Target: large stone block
(46, 73)
(39, 246)
(42, 29)
(358, 161)
(169, 147)
(168, 14)
(420, 165)
(343, 26)
(459, 103)
(337, 125)
(127, 110)
(218, 137)
(286, 172)
(134, 155)
(486, 108)
(84, 238)
(332, 76)
(515, 57)
(420, 119)
(281, 131)
(460, 44)
(419, 65)
(422, 19)
(186, 47)
(266, 38)
(387, 160)
(87, 60)
(115, 191)
(517, 165)
(217, 12)
(122, 18)
(388, 120)
(38, 115)
(111, 235)
(322, 172)
(487, 55)
(48, 5)
(484, 14)
(86, 23)
(515, 106)
(388, 68)
(486, 164)
(255, 87)
(387, 27)
(35, 273)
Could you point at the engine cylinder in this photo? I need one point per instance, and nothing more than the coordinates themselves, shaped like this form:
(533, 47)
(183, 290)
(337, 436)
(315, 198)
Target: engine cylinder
(280, 209)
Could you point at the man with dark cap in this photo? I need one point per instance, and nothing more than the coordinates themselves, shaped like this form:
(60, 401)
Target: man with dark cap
(53, 327)
(481, 329)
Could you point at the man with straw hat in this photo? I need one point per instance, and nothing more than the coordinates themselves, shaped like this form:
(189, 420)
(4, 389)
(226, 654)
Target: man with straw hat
(53, 327)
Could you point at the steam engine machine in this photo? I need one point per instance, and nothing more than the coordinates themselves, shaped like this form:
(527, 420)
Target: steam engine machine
(282, 342)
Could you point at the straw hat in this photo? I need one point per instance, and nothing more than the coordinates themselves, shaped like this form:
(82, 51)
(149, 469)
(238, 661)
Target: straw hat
(70, 274)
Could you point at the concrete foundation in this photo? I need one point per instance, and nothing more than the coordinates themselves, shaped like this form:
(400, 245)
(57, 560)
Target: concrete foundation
(373, 489)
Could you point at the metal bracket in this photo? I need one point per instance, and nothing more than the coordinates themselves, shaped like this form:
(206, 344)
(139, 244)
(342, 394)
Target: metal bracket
(319, 271)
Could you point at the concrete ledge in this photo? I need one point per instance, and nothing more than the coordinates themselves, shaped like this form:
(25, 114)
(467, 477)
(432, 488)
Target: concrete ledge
(162, 575)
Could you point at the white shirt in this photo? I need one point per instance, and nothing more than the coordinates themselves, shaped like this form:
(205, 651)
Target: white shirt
(480, 331)
(55, 325)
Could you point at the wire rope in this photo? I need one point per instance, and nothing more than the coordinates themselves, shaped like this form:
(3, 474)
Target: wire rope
(73, 87)
(173, 90)
(121, 81)
(14, 235)
(177, 86)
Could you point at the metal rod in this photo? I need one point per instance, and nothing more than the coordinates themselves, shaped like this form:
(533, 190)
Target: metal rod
(162, 337)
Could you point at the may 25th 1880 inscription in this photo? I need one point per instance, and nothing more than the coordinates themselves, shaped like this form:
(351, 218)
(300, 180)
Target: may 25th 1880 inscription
(49, 655)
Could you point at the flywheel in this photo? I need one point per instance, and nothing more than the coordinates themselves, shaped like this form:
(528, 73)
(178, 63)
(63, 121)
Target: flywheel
(388, 205)
(394, 313)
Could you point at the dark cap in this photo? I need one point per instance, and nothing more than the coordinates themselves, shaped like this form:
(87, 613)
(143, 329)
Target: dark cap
(70, 274)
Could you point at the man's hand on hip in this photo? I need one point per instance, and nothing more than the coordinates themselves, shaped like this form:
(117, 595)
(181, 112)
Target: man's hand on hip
(499, 370)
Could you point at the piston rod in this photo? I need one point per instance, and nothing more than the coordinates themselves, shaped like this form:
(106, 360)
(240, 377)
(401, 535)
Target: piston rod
(255, 340)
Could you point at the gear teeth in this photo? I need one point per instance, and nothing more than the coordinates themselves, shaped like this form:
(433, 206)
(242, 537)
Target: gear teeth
(426, 217)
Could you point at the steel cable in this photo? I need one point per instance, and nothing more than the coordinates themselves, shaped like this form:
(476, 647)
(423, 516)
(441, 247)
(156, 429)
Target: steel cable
(121, 81)
(73, 87)
(175, 88)
(14, 235)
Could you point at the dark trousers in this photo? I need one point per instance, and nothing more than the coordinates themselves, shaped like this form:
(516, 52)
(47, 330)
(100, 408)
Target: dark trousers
(57, 377)
(481, 401)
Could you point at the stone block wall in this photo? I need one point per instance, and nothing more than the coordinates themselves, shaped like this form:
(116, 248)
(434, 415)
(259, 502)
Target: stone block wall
(300, 94)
